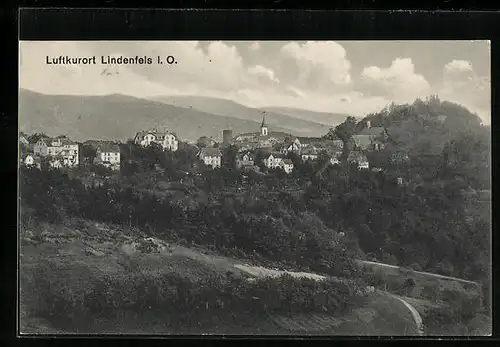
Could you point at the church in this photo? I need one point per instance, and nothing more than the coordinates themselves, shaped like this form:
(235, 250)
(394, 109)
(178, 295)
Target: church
(262, 139)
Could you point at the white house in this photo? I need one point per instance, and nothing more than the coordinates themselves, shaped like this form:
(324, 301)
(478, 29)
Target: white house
(108, 154)
(167, 140)
(64, 150)
(245, 159)
(23, 140)
(287, 165)
(211, 157)
(30, 160)
(291, 146)
(273, 160)
(359, 158)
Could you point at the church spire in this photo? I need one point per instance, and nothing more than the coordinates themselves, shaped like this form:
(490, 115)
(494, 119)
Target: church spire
(263, 127)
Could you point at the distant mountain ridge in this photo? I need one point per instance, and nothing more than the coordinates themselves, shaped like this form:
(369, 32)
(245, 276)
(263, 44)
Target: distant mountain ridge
(119, 117)
(297, 123)
(326, 118)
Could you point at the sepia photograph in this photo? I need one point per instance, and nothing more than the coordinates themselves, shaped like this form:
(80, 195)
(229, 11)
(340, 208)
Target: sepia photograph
(291, 188)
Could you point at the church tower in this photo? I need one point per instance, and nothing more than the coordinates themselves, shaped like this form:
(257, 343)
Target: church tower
(263, 127)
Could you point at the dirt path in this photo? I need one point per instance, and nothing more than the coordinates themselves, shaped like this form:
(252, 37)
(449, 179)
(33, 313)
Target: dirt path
(416, 316)
(430, 274)
(259, 271)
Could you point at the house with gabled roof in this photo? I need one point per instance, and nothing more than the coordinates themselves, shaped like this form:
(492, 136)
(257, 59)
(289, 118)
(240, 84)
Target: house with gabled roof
(273, 160)
(211, 157)
(370, 137)
(290, 145)
(108, 154)
(30, 160)
(245, 159)
(23, 140)
(166, 139)
(333, 139)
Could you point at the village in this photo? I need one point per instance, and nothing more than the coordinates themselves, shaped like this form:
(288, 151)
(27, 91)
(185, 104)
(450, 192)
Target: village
(275, 149)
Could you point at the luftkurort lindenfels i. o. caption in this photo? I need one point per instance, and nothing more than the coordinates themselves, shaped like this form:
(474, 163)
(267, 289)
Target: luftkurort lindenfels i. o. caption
(110, 60)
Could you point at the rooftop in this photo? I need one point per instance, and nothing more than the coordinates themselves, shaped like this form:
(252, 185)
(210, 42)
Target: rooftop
(276, 155)
(242, 154)
(63, 140)
(309, 150)
(210, 152)
(155, 133)
(108, 147)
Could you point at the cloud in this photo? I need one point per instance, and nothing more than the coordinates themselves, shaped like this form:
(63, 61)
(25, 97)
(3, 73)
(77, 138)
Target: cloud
(399, 81)
(215, 69)
(254, 47)
(263, 72)
(319, 65)
(462, 85)
(458, 66)
(311, 75)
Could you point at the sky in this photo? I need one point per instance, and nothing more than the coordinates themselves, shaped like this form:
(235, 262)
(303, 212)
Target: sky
(353, 77)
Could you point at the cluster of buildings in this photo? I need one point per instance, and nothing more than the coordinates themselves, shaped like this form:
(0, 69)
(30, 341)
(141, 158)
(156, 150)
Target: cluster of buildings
(55, 152)
(274, 147)
(277, 146)
(61, 152)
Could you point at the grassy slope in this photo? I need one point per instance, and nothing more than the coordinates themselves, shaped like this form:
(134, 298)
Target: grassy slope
(81, 254)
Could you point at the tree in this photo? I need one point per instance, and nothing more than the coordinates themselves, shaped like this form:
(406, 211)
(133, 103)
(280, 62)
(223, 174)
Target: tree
(366, 238)
(259, 160)
(204, 141)
(346, 129)
(36, 137)
(344, 132)
(408, 285)
(88, 152)
(101, 170)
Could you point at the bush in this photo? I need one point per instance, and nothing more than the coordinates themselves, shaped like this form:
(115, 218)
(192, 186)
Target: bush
(77, 296)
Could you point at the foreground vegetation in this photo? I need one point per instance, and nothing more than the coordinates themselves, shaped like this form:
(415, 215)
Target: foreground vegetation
(74, 288)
